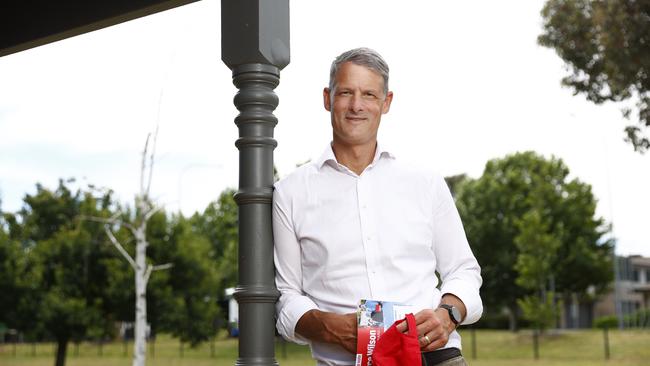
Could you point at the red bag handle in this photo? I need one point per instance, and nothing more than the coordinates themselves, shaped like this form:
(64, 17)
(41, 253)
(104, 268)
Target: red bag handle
(412, 328)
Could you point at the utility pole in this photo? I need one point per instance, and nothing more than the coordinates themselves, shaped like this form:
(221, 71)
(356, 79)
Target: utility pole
(255, 46)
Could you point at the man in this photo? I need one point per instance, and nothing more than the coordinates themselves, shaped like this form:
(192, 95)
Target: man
(359, 224)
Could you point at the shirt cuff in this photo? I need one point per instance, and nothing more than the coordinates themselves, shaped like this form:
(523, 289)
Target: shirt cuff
(468, 295)
(289, 312)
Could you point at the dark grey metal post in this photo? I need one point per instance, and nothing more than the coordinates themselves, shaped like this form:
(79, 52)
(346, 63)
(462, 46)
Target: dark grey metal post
(606, 341)
(473, 343)
(536, 343)
(255, 46)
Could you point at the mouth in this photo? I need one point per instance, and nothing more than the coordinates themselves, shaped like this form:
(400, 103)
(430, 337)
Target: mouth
(355, 118)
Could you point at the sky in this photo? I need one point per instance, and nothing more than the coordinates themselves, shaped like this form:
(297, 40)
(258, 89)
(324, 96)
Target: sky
(470, 84)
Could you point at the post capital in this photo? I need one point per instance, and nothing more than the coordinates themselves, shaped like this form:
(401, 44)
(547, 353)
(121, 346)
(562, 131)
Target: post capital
(255, 32)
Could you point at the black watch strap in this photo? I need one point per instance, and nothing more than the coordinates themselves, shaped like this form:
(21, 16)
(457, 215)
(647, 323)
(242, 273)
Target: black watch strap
(454, 313)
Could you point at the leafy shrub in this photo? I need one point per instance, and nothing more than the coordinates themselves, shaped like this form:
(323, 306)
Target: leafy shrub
(608, 321)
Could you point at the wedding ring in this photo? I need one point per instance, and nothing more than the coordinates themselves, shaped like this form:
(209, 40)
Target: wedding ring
(427, 338)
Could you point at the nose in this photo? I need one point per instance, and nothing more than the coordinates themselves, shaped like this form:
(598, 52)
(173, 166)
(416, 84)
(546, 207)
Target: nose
(356, 103)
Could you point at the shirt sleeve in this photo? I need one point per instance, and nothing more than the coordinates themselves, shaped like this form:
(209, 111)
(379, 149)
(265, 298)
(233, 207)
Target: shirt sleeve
(459, 271)
(293, 303)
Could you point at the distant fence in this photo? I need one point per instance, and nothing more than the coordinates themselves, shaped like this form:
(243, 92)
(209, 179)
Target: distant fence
(478, 344)
(605, 343)
(122, 348)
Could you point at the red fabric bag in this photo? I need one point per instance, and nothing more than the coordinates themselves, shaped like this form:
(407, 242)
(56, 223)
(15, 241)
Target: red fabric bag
(395, 348)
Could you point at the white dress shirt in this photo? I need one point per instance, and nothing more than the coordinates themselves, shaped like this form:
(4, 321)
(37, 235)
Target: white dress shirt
(342, 237)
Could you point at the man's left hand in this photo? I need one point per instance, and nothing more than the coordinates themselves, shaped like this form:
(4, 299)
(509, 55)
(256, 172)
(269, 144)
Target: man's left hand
(434, 328)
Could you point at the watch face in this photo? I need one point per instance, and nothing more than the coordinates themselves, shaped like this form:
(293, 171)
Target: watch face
(456, 314)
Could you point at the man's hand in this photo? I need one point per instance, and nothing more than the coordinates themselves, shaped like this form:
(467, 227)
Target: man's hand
(435, 326)
(322, 326)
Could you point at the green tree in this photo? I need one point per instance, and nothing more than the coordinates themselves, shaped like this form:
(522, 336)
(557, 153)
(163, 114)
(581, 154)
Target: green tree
(64, 265)
(538, 248)
(606, 46)
(17, 281)
(183, 299)
(11, 273)
(219, 223)
(194, 309)
(492, 207)
(67, 308)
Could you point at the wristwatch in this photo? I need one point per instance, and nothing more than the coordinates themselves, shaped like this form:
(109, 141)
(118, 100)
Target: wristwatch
(454, 313)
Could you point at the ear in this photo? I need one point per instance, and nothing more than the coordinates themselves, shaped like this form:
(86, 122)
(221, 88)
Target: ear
(387, 101)
(327, 100)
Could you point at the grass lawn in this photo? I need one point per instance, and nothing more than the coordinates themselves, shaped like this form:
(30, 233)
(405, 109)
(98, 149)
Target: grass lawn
(573, 348)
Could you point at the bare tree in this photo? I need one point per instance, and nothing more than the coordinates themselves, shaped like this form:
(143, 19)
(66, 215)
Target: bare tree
(145, 209)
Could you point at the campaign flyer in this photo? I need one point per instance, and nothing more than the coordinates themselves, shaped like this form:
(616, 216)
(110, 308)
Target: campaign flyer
(373, 319)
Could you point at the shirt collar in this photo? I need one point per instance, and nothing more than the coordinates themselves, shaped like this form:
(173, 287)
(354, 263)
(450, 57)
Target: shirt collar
(328, 155)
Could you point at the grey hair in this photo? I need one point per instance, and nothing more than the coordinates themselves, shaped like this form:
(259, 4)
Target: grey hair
(363, 57)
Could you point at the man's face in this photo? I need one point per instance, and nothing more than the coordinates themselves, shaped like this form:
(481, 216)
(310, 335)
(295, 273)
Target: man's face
(356, 104)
